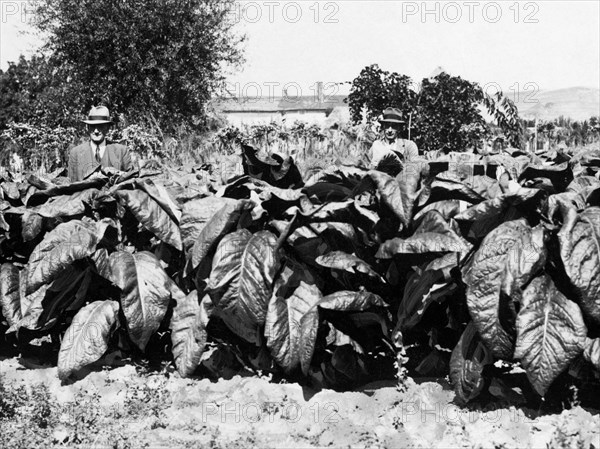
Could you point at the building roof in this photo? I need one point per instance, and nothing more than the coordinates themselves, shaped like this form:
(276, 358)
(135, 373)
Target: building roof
(279, 104)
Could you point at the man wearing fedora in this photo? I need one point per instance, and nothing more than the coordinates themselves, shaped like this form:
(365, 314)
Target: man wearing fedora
(85, 158)
(388, 153)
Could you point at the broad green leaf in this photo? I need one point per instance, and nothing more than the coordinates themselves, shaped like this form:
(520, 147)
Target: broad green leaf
(86, 339)
(400, 193)
(349, 301)
(159, 193)
(188, 330)
(466, 365)
(4, 226)
(66, 205)
(283, 325)
(67, 292)
(343, 301)
(10, 298)
(551, 333)
(196, 214)
(259, 264)
(507, 259)
(448, 209)
(560, 203)
(241, 280)
(42, 196)
(340, 260)
(591, 352)
(66, 243)
(524, 197)
(152, 216)
(223, 285)
(210, 235)
(580, 252)
(422, 289)
(31, 225)
(560, 175)
(581, 183)
(426, 242)
(145, 292)
(485, 186)
(446, 189)
(31, 308)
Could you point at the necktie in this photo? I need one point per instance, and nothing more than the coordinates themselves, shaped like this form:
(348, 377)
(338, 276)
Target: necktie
(98, 153)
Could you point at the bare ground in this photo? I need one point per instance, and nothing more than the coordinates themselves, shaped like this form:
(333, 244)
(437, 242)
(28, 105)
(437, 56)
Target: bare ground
(119, 408)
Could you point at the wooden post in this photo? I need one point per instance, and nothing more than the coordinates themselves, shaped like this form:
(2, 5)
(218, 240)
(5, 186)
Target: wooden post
(535, 139)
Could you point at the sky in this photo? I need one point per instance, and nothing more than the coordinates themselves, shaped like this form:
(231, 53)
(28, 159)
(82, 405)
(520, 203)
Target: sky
(510, 45)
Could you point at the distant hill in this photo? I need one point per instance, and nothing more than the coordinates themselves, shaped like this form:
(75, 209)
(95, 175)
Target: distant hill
(578, 103)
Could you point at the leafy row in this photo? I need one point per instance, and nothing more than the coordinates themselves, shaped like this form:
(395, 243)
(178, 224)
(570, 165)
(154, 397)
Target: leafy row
(468, 262)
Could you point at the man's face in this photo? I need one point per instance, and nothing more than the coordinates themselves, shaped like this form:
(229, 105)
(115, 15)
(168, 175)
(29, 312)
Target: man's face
(98, 132)
(390, 131)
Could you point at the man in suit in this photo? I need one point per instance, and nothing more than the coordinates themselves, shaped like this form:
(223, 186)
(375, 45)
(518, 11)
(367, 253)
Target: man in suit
(389, 152)
(85, 158)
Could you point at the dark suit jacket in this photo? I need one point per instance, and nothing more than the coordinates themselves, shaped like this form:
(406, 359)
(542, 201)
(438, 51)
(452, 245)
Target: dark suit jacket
(82, 160)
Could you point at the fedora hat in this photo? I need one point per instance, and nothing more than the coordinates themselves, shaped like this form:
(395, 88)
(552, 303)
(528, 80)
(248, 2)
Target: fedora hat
(392, 115)
(98, 115)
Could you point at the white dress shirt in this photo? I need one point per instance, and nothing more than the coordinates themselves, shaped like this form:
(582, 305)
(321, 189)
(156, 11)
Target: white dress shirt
(101, 147)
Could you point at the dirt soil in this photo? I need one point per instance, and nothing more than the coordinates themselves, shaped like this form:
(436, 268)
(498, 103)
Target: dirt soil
(158, 410)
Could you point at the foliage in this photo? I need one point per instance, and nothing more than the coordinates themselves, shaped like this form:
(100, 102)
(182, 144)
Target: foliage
(375, 89)
(156, 61)
(35, 92)
(38, 145)
(454, 265)
(140, 140)
(441, 113)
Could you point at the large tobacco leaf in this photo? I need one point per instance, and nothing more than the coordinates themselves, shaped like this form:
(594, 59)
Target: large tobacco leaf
(468, 359)
(425, 242)
(489, 214)
(260, 261)
(399, 194)
(42, 196)
(242, 277)
(591, 352)
(340, 260)
(31, 307)
(446, 189)
(220, 224)
(559, 175)
(66, 205)
(86, 339)
(196, 214)
(283, 326)
(341, 301)
(68, 292)
(188, 330)
(10, 298)
(159, 194)
(66, 243)
(152, 216)
(551, 333)
(424, 287)
(31, 225)
(507, 259)
(580, 252)
(582, 183)
(145, 292)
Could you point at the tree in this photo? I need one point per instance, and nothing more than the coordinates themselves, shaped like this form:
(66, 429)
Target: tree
(34, 92)
(445, 113)
(153, 60)
(375, 89)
